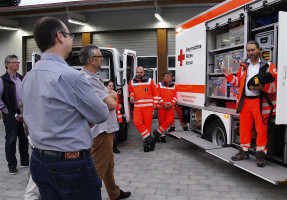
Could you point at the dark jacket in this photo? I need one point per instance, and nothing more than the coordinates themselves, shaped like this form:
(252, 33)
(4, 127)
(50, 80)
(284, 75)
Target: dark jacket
(9, 94)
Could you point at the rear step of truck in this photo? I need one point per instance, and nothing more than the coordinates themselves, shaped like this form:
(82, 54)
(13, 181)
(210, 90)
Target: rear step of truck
(272, 172)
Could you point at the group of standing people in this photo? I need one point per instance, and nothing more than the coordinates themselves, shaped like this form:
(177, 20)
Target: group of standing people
(146, 96)
(256, 103)
(72, 116)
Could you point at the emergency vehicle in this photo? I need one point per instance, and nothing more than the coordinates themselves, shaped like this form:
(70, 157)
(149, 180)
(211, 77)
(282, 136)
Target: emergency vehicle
(115, 67)
(216, 38)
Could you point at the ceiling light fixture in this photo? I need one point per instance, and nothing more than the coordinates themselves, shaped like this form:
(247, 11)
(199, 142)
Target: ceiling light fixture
(9, 28)
(157, 15)
(157, 12)
(74, 21)
(76, 18)
(9, 24)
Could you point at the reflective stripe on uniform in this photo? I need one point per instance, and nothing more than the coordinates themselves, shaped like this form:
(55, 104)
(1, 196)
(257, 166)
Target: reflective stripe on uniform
(145, 134)
(143, 100)
(268, 111)
(143, 105)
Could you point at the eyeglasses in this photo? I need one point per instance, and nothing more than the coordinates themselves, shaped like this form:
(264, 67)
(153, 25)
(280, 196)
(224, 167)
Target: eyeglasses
(101, 56)
(14, 62)
(66, 33)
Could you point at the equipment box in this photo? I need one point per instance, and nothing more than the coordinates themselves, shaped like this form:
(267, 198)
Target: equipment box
(233, 91)
(220, 60)
(236, 35)
(267, 54)
(223, 40)
(235, 58)
(265, 39)
(218, 86)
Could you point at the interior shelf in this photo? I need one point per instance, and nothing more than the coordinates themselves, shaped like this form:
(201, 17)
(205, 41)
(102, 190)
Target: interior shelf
(264, 27)
(222, 97)
(226, 48)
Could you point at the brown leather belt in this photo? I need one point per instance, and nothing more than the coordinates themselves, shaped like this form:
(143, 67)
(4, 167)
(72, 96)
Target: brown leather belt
(66, 155)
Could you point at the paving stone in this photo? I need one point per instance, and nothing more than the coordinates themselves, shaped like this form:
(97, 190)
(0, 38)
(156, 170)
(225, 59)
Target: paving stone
(176, 170)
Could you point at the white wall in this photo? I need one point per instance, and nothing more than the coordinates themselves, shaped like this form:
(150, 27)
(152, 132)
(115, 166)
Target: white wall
(10, 43)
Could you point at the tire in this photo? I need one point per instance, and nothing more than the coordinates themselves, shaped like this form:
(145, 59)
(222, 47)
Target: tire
(216, 133)
(123, 132)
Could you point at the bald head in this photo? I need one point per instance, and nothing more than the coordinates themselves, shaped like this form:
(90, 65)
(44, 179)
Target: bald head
(140, 72)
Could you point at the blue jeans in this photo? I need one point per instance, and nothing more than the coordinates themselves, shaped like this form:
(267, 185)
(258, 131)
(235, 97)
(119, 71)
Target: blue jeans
(15, 129)
(65, 179)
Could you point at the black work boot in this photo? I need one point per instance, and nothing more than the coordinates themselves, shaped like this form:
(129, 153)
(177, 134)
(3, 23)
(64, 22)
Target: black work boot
(115, 149)
(156, 135)
(151, 142)
(241, 155)
(146, 146)
(163, 139)
(171, 129)
(185, 128)
(260, 159)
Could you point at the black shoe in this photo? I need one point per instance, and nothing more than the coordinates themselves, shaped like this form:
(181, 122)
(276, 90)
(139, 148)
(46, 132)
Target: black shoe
(13, 170)
(163, 139)
(152, 145)
(146, 146)
(124, 195)
(116, 150)
(25, 164)
(171, 129)
(260, 159)
(185, 128)
(156, 135)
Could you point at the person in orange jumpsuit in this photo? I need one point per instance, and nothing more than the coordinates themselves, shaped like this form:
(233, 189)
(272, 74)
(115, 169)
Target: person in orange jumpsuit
(179, 115)
(166, 94)
(252, 102)
(143, 95)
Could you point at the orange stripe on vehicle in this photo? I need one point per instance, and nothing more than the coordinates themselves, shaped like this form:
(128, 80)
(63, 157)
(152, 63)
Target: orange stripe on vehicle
(214, 13)
(191, 88)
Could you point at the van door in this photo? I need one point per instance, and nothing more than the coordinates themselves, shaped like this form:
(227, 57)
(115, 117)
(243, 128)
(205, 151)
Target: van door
(151, 73)
(36, 56)
(281, 107)
(129, 71)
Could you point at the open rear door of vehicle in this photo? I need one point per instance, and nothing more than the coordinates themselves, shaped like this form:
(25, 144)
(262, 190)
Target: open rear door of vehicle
(151, 73)
(281, 107)
(36, 56)
(129, 66)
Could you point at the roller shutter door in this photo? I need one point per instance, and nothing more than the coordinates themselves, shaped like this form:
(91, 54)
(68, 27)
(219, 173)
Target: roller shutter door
(144, 42)
(171, 42)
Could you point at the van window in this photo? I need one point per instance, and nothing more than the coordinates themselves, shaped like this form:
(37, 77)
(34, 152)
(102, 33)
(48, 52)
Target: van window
(147, 61)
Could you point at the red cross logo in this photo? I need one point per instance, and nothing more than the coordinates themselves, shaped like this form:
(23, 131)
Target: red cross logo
(181, 57)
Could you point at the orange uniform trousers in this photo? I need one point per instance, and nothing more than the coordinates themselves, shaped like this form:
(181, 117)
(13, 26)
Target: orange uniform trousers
(251, 113)
(165, 119)
(179, 115)
(143, 120)
(102, 153)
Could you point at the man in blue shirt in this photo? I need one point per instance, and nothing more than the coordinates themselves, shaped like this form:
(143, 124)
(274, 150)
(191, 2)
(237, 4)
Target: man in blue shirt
(59, 106)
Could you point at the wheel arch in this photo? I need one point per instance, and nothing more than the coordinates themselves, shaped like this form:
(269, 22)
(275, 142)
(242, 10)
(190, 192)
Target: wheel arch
(209, 116)
(207, 123)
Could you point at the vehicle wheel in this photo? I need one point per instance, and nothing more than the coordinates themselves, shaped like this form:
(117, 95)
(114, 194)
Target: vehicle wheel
(216, 133)
(123, 132)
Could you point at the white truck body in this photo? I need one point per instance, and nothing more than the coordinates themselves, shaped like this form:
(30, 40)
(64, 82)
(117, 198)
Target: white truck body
(218, 37)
